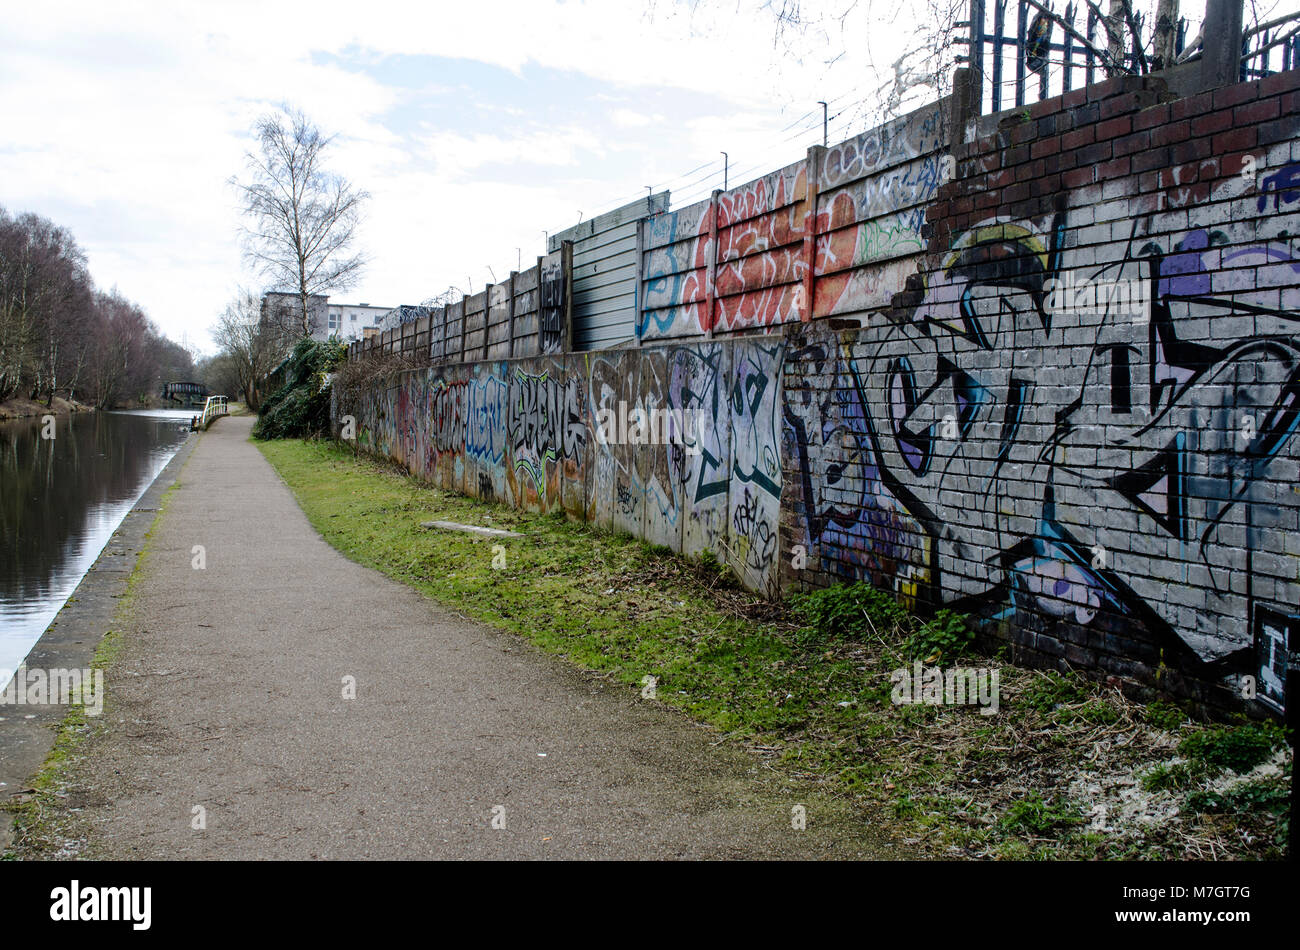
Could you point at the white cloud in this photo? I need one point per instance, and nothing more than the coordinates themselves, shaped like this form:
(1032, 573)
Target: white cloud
(133, 117)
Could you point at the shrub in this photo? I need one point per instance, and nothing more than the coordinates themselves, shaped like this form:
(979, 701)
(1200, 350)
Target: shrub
(1239, 748)
(301, 407)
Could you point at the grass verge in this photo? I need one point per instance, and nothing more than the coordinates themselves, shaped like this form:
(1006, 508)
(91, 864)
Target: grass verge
(1067, 768)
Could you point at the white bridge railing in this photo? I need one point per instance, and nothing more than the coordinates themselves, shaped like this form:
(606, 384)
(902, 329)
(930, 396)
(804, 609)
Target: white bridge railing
(215, 406)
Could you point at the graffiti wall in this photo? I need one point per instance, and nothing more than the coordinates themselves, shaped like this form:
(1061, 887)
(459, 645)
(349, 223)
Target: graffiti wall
(1067, 405)
(678, 445)
(527, 314)
(1082, 426)
(835, 233)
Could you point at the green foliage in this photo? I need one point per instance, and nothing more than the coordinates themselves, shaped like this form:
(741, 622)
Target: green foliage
(1165, 715)
(1096, 711)
(1272, 796)
(1050, 691)
(1239, 748)
(1033, 815)
(301, 407)
(1172, 776)
(944, 636)
(715, 572)
(847, 611)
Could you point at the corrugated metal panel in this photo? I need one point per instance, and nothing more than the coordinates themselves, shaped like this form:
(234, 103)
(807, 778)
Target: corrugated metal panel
(605, 273)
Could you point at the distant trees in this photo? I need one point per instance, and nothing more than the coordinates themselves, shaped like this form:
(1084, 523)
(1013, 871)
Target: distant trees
(59, 336)
(250, 348)
(302, 219)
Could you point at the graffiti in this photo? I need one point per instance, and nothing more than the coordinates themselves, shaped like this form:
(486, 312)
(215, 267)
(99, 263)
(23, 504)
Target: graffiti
(753, 535)
(545, 423)
(694, 377)
(485, 420)
(856, 532)
(1283, 186)
(879, 148)
(993, 450)
(870, 210)
(627, 501)
(553, 293)
(486, 489)
(447, 416)
(687, 493)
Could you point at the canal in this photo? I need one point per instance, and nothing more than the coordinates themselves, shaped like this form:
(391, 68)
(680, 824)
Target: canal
(61, 499)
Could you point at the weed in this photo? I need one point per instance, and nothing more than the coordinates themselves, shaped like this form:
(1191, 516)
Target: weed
(1239, 748)
(1095, 711)
(1165, 715)
(1172, 776)
(944, 636)
(1033, 815)
(847, 612)
(1052, 690)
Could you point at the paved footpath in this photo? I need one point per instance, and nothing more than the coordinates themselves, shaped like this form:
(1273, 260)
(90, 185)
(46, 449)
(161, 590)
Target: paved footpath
(227, 695)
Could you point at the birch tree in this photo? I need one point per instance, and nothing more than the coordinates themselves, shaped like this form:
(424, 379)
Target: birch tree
(301, 218)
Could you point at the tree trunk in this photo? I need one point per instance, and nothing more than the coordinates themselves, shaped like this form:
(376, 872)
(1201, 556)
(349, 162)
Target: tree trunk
(1114, 25)
(1166, 33)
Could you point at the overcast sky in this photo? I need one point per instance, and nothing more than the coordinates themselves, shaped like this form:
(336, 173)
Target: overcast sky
(474, 125)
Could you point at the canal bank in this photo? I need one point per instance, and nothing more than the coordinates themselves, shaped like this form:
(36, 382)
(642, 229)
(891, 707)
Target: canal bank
(22, 408)
(28, 732)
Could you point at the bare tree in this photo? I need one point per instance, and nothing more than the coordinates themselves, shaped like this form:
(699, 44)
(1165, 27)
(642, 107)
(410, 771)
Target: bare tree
(302, 218)
(251, 346)
(1136, 37)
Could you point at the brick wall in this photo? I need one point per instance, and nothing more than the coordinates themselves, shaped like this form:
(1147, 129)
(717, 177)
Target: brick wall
(1078, 422)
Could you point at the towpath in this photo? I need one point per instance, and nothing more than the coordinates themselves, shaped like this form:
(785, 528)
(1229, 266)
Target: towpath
(226, 703)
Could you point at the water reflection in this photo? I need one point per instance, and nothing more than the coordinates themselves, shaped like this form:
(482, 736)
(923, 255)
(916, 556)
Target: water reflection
(60, 501)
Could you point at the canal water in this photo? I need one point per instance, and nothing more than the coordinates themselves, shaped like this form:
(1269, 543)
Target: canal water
(60, 501)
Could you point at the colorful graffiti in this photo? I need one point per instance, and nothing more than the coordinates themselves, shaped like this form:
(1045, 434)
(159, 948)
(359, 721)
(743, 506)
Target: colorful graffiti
(1079, 421)
(524, 433)
(545, 423)
(718, 488)
(743, 261)
(1103, 467)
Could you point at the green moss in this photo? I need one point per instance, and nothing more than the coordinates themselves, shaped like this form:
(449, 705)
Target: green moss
(38, 819)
